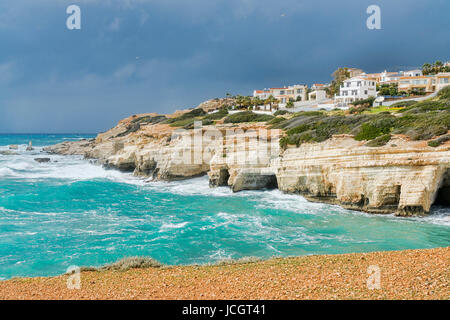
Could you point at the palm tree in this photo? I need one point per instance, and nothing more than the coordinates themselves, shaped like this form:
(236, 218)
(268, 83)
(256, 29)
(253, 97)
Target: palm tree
(256, 101)
(426, 68)
(247, 101)
(239, 100)
(437, 67)
(271, 100)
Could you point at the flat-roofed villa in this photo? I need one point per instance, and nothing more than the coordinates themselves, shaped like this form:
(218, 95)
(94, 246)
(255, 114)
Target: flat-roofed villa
(318, 92)
(357, 88)
(420, 83)
(441, 80)
(386, 77)
(296, 92)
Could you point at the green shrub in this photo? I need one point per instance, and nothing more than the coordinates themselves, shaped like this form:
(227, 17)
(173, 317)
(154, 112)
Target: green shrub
(402, 104)
(247, 116)
(308, 113)
(365, 102)
(280, 112)
(188, 115)
(437, 142)
(216, 115)
(149, 119)
(368, 132)
(132, 263)
(434, 143)
(444, 93)
(359, 109)
(380, 141)
(276, 120)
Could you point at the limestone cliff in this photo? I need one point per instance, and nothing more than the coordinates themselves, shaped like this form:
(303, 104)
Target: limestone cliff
(405, 177)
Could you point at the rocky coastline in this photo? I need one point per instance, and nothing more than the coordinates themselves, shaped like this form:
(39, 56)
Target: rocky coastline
(404, 177)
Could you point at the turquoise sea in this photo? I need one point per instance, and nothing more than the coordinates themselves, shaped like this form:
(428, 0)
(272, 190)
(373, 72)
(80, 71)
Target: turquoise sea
(73, 212)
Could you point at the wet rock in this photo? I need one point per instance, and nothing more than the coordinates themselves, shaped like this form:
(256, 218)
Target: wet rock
(30, 146)
(42, 160)
(8, 153)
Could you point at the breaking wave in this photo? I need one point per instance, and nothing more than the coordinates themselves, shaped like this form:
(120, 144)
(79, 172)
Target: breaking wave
(70, 211)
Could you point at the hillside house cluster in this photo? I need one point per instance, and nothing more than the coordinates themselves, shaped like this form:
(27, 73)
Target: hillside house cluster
(359, 86)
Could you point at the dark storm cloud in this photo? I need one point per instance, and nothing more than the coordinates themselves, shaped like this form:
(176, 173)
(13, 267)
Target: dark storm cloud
(160, 55)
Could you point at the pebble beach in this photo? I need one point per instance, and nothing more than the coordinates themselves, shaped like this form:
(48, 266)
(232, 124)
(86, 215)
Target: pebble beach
(408, 274)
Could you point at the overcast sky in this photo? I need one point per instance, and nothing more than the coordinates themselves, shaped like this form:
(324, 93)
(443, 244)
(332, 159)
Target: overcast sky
(137, 56)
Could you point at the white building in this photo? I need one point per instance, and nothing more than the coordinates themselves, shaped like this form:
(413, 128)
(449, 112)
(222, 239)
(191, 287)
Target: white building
(317, 95)
(442, 80)
(296, 92)
(356, 88)
(412, 73)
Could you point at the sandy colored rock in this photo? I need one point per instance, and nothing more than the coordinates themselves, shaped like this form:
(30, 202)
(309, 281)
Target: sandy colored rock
(403, 176)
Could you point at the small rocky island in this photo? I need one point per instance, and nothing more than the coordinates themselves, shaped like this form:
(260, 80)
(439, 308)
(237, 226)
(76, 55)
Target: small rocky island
(392, 161)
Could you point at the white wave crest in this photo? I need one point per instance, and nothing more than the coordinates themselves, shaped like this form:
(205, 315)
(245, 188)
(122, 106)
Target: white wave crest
(170, 226)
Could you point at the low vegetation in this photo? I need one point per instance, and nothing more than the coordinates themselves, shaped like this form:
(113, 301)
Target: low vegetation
(419, 120)
(127, 264)
(186, 116)
(216, 115)
(276, 120)
(187, 120)
(281, 112)
(437, 142)
(136, 122)
(380, 141)
(365, 102)
(247, 116)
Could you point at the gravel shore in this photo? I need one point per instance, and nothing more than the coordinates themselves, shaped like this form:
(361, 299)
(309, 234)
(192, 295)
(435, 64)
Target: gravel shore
(409, 274)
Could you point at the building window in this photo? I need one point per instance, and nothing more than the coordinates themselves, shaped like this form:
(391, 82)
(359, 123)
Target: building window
(443, 80)
(299, 90)
(358, 84)
(365, 92)
(282, 92)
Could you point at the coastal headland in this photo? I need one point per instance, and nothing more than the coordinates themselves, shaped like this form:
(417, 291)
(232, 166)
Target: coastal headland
(385, 160)
(409, 274)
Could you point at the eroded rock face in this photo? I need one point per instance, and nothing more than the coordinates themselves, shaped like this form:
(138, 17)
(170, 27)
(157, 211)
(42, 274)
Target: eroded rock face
(245, 161)
(405, 177)
(402, 177)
